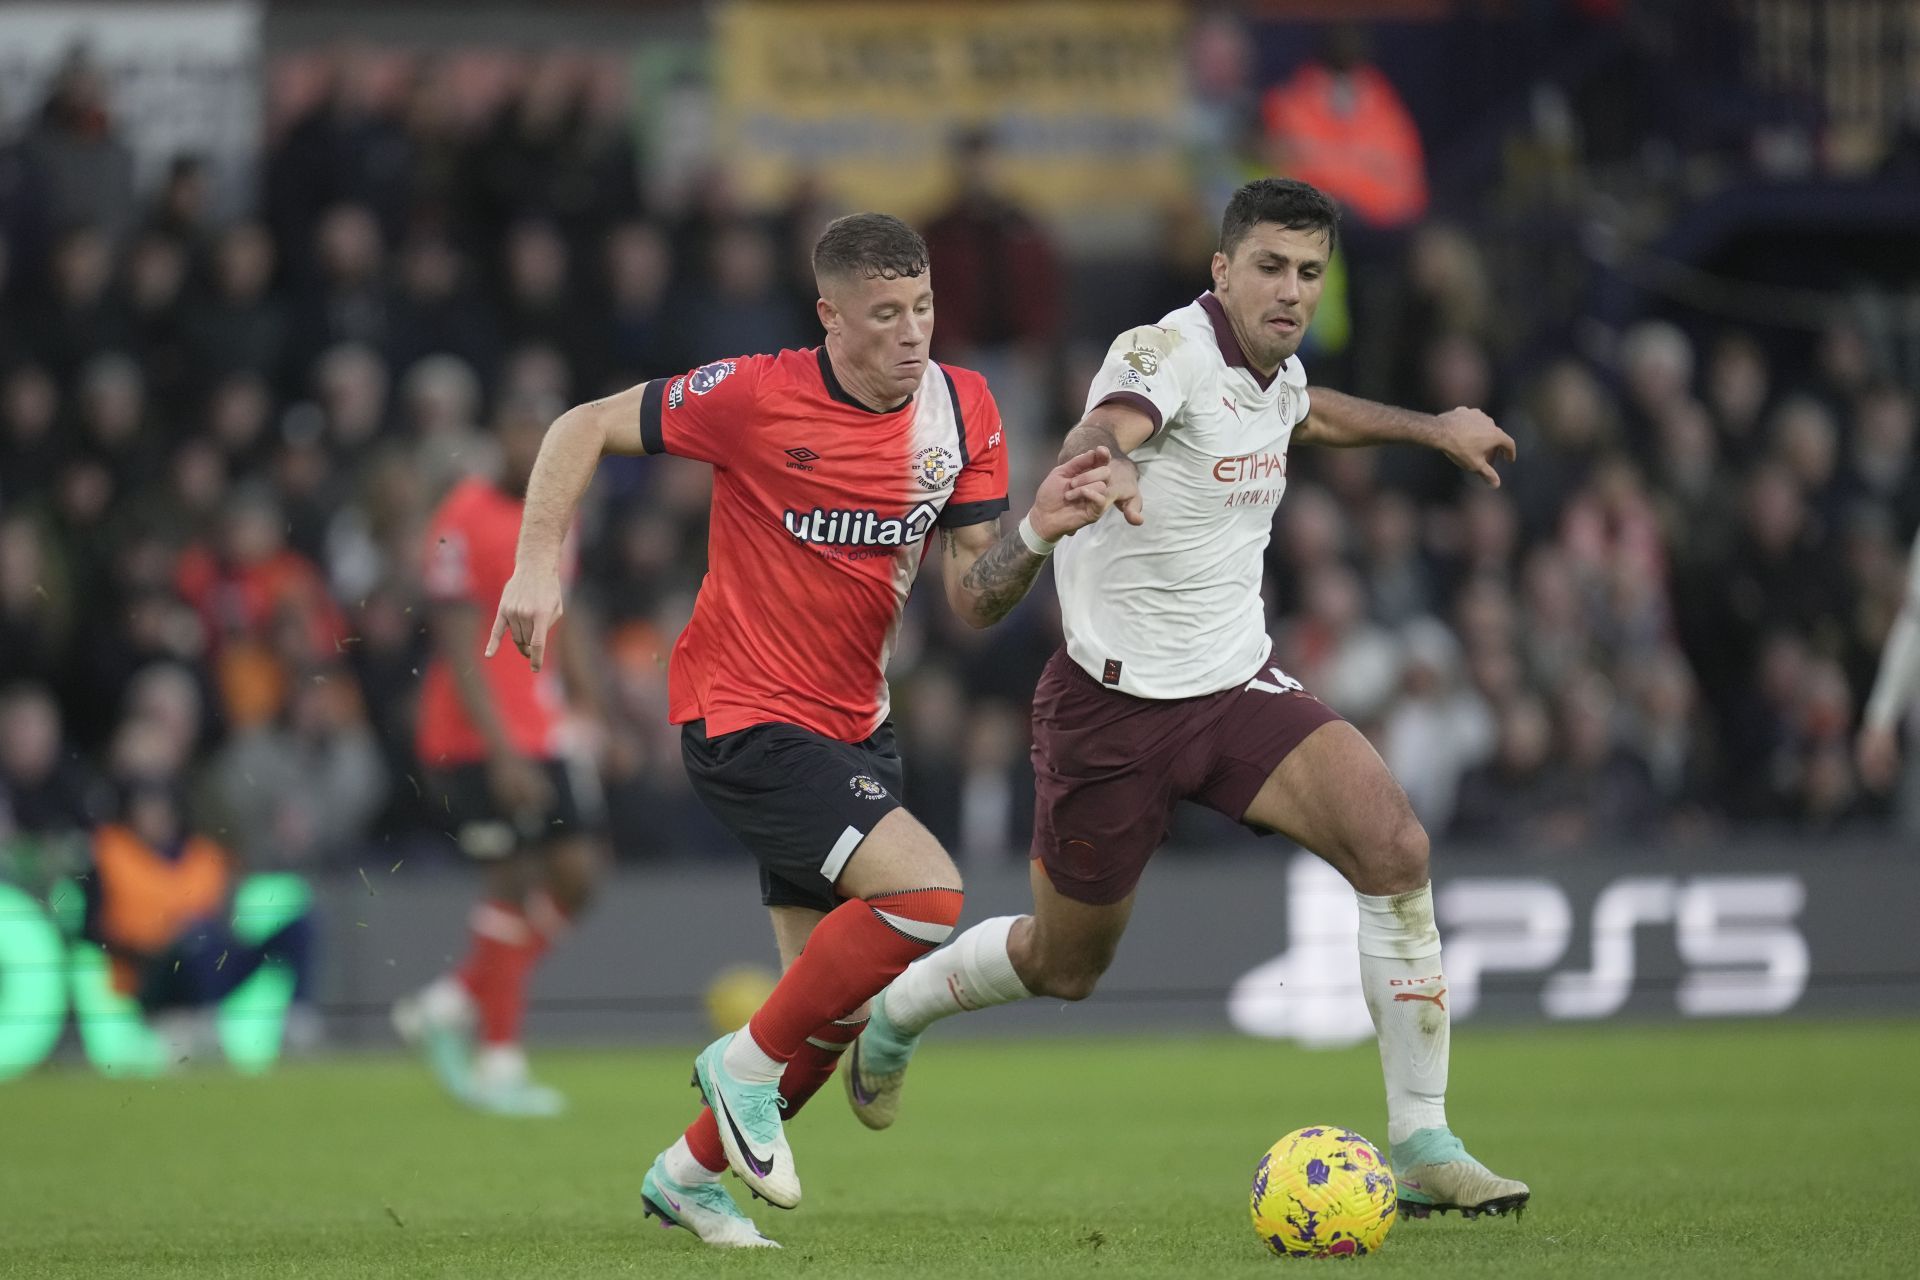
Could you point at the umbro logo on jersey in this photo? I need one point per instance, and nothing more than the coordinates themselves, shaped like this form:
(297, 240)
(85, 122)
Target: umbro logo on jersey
(862, 528)
(803, 459)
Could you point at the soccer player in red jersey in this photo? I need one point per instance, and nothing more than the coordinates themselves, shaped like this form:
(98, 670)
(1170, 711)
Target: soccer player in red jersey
(503, 774)
(831, 468)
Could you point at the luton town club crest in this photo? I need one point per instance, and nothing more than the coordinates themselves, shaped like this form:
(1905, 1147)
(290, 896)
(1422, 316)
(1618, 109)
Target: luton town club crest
(934, 468)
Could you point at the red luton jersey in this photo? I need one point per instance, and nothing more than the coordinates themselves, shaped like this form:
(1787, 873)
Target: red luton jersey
(468, 559)
(821, 511)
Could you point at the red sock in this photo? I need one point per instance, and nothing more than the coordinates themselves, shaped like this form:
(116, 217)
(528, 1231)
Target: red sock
(813, 1066)
(507, 943)
(703, 1139)
(860, 947)
(806, 1071)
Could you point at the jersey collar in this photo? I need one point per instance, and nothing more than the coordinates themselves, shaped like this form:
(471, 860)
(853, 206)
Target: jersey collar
(1222, 334)
(841, 394)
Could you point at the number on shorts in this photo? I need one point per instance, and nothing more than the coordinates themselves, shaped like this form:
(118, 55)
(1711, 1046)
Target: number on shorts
(1281, 683)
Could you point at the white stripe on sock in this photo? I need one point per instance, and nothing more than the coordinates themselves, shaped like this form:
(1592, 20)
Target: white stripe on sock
(929, 932)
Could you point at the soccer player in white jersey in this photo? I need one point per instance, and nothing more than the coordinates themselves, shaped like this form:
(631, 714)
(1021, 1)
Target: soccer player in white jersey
(1894, 688)
(1164, 690)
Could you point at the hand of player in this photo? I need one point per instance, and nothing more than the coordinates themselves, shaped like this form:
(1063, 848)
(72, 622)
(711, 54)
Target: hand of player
(1471, 440)
(1073, 495)
(1877, 751)
(529, 606)
(1123, 488)
(518, 785)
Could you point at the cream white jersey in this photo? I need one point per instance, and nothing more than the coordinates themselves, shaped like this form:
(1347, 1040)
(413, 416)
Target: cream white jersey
(1171, 609)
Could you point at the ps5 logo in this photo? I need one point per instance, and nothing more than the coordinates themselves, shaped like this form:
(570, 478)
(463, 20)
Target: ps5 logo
(1740, 949)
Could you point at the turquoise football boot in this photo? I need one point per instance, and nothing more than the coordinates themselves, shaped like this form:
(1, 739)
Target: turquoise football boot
(1436, 1175)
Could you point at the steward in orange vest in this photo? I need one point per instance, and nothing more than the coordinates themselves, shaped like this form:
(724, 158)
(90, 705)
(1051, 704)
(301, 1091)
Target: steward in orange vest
(158, 903)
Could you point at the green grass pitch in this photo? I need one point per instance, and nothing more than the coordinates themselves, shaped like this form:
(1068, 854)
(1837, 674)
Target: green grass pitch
(1753, 1149)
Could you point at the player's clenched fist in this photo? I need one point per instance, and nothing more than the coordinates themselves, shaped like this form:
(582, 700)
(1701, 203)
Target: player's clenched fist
(529, 606)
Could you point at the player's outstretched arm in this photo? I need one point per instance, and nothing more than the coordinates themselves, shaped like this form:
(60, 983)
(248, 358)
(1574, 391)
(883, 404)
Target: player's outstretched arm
(530, 604)
(987, 571)
(1467, 436)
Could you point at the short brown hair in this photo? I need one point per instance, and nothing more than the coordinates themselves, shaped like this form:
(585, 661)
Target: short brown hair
(1286, 202)
(871, 245)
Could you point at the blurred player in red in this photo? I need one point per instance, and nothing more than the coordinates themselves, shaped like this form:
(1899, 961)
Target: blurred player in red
(504, 774)
(831, 469)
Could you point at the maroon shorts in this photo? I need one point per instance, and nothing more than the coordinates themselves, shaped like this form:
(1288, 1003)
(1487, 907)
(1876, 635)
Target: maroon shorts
(1109, 768)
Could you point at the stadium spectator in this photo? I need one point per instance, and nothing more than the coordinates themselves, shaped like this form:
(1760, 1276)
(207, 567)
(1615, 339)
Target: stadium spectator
(644, 337)
(1507, 800)
(348, 149)
(1439, 727)
(239, 326)
(1000, 296)
(48, 789)
(438, 310)
(82, 316)
(158, 900)
(1339, 124)
(344, 298)
(746, 308)
(35, 615)
(540, 305)
(305, 787)
(30, 450)
(81, 170)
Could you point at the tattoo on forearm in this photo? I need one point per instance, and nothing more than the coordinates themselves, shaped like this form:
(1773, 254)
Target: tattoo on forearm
(1002, 575)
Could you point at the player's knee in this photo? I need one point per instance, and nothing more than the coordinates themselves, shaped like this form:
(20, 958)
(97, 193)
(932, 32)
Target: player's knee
(1070, 981)
(1068, 975)
(1400, 864)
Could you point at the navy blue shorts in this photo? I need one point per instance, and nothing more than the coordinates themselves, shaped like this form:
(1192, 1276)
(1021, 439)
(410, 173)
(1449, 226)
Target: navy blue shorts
(799, 801)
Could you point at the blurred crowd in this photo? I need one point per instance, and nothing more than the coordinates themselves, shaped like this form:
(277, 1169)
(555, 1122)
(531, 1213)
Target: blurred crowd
(220, 440)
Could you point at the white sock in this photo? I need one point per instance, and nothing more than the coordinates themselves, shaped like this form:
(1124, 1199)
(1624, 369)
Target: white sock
(746, 1061)
(684, 1169)
(974, 973)
(500, 1064)
(447, 1000)
(1406, 994)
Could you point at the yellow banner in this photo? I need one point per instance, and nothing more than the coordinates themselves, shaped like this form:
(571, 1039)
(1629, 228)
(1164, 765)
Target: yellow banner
(1083, 100)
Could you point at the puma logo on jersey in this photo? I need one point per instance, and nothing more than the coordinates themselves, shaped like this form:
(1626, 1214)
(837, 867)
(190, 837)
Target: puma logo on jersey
(1231, 405)
(862, 528)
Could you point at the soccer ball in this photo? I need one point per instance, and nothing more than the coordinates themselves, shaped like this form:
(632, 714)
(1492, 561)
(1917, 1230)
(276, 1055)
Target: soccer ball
(1323, 1192)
